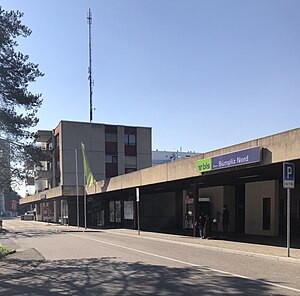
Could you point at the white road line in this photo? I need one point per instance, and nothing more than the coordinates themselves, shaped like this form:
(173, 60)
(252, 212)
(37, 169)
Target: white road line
(188, 263)
(208, 247)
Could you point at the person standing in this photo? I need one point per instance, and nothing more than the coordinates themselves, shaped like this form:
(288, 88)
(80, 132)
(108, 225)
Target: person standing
(200, 223)
(225, 220)
(205, 226)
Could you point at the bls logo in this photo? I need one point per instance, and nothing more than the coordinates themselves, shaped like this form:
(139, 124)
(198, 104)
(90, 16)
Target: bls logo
(204, 165)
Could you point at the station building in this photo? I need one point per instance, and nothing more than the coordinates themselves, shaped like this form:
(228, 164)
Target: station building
(247, 177)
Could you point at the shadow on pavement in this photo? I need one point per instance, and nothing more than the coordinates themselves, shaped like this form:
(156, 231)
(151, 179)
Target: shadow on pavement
(108, 276)
(29, 233)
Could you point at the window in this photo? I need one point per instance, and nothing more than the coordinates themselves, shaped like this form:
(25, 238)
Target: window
(266, 213)
(49, 166)
(111, 159)
(112, 211)
(130, 144)
(57, 140)
(130, 140)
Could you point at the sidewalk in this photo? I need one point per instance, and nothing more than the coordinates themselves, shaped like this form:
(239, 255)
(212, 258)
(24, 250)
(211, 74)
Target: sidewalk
(273, 252)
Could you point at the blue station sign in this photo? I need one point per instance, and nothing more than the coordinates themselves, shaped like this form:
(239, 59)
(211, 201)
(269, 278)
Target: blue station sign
(238, 158)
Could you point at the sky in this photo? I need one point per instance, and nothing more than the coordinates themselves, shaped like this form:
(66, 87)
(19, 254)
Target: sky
(203, 74)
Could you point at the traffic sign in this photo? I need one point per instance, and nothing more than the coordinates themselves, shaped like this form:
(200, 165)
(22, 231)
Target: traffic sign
(288, 175)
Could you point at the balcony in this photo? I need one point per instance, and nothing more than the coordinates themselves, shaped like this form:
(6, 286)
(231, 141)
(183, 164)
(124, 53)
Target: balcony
(29, 181)
(43, 175)
(43, 136)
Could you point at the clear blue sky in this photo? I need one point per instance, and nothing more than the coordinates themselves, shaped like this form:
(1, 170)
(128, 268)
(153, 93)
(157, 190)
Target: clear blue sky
(202, 74)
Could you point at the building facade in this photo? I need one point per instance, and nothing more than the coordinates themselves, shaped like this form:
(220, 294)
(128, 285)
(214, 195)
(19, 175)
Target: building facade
(247, 177)
(111, 150)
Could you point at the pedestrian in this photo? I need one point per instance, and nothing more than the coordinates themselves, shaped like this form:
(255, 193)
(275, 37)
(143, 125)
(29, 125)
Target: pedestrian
(200, 223)
(225, 220)
(205, 226)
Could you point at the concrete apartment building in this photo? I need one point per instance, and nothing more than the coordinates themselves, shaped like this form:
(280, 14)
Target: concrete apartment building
(111, 150)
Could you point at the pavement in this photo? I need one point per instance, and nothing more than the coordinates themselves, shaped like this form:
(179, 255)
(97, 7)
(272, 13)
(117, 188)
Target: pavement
(238, 245)
(271, 248)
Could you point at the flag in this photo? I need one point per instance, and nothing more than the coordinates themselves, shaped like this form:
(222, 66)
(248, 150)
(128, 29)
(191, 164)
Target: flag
(90, 180)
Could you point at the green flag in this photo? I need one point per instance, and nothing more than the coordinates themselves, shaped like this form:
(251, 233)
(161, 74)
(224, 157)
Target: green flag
(90, 180)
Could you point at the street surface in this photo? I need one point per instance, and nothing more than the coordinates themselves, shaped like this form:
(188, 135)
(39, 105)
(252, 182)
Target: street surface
(61, 260)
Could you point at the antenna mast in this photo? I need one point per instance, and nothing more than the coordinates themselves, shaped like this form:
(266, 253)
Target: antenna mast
(89, 18)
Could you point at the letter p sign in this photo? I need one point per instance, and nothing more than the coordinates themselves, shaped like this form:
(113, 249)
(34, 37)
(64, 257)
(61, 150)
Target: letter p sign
(288, 175)
(289, 172)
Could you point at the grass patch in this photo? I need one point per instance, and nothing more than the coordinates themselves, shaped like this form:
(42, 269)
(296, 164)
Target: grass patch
(3, 251)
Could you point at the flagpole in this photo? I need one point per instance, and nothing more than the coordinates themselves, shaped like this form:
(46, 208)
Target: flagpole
(84, 199)
(77, 190)
(88, 180)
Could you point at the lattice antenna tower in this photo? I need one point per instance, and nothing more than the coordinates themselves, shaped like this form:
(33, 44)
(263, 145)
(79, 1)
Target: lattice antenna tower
(89, 18)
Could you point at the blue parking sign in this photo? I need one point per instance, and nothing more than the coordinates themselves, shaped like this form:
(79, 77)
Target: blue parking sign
(288, 175)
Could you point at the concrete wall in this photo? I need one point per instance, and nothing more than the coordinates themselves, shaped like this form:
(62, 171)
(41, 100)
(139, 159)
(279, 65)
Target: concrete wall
(144, 148)
(229, 200)
(282, 147)
(254, 194)
(93, 137)
(52, 193)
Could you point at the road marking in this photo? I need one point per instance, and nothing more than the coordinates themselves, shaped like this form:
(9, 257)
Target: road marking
(188, 263)
(208, 247)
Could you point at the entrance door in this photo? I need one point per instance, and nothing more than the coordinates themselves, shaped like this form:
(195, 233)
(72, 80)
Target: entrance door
(204, 207)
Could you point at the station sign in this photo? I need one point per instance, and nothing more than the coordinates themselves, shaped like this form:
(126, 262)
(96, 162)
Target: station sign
(238, 158)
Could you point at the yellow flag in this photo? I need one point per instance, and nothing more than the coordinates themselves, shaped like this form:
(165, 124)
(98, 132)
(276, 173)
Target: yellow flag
(90, 180)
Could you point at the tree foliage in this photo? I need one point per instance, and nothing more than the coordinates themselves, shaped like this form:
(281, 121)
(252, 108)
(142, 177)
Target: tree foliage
(18, 105)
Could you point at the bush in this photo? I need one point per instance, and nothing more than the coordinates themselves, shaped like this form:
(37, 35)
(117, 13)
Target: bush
(3, 251)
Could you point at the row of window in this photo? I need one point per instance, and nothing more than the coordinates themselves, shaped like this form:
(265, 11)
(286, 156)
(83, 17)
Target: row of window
(129, 139)
(111, 150)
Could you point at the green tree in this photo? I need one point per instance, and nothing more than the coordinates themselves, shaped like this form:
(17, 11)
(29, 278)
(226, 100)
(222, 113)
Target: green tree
(18, 105)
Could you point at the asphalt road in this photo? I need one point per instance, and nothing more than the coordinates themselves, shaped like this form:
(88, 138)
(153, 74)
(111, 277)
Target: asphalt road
(59, 260)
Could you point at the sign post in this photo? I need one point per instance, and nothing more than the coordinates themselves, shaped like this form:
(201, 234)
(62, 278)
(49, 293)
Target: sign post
(77, 189)
(138, 208)
(288, 183)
